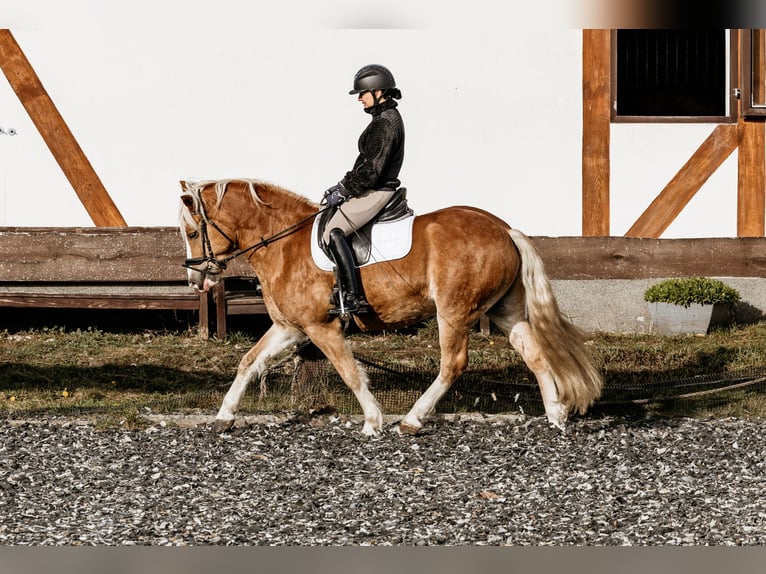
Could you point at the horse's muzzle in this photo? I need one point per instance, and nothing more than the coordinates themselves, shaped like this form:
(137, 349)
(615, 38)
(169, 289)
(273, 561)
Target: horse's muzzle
(203, 272)
(205, 265)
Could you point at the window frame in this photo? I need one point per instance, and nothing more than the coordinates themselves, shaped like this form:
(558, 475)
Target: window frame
(749, 108)
(733, 108)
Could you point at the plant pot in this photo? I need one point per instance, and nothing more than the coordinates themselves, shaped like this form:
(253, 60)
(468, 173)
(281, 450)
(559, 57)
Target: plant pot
(670, 319)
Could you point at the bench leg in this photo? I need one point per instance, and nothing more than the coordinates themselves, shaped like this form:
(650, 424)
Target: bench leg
(204, 315)
(484, 325)
(219, 296)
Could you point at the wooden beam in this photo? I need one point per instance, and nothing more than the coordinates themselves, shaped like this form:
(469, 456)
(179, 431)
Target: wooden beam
(75, 300)
(39, 256)
(751, 184)
(82, 254)
(617, 258)
(596, 56)
(56, 134)
(689, 179)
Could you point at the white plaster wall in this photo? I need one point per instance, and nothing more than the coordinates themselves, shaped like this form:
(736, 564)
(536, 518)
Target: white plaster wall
(645, 157)
(164, 90)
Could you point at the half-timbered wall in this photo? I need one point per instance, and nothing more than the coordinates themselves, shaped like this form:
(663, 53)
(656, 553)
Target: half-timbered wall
(509, 115)
(746, 137)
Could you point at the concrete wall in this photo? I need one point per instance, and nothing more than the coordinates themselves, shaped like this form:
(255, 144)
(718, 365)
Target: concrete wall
(618, 305)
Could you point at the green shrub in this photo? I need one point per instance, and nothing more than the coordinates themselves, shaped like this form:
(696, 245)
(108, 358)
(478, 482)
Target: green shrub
(688, 290)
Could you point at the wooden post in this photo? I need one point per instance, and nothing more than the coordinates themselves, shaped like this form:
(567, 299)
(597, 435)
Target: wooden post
(219, 298)
(56, 134)
(751, 179)
(596, 56)
(689, 179)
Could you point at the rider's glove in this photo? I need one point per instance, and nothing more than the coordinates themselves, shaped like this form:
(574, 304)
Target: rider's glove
(336, 195)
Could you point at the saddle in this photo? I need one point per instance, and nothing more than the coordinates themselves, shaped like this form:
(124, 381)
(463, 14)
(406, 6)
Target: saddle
(361, 240)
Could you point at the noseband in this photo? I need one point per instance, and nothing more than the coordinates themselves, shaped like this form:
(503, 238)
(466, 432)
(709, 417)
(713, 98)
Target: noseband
(213, 265)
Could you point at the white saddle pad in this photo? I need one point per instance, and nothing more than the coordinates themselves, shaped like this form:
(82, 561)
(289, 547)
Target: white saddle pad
(389, 241)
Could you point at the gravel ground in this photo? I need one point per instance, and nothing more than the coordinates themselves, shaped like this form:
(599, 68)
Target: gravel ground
(318, 481)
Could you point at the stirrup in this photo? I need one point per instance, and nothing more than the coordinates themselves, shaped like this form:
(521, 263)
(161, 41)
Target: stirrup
(351, 304)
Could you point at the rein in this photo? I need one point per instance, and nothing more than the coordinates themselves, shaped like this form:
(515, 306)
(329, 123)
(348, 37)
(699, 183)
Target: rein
(216, 265)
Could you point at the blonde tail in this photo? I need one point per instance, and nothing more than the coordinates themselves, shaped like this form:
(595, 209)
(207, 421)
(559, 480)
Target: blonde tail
(578, 382)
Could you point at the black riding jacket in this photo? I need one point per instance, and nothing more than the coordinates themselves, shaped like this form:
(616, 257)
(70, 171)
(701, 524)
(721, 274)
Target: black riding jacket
(381, 151)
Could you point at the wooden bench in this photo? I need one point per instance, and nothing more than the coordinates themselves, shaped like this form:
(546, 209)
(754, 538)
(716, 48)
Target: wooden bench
(116, 268)
(98, 268)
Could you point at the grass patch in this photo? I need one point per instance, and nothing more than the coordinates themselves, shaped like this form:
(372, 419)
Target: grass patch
(114, 377)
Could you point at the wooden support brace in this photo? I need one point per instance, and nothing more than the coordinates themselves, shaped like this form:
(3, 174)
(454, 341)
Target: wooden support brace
(219, 297)
(56, 134)
(689, 179)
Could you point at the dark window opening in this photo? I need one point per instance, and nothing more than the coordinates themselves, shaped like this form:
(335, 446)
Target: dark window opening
(671, 74)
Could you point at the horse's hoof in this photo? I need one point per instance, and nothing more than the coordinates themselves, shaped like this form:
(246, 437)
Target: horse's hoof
(557, 415)
(369, 430)
(557, 424)
(222, 425)
(406, 428)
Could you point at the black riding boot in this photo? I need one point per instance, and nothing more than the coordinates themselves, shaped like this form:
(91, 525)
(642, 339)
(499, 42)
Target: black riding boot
(350, 298)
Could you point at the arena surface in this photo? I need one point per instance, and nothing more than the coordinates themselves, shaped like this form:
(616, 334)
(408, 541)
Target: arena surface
(317, 481)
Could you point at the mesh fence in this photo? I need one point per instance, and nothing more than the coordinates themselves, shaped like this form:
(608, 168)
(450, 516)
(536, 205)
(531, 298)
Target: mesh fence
(307, 384)
(313, 384)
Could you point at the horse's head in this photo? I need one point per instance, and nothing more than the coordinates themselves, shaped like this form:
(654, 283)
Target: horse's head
(208, 232)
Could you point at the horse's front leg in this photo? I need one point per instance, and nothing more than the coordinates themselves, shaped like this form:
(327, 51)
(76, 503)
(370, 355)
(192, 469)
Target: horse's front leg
(276, 340)
(330, 340)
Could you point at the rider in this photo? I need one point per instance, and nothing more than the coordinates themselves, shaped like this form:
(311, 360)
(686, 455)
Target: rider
(366, 189)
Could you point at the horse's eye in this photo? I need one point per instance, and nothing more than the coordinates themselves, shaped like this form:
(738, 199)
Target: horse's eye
(193, 235)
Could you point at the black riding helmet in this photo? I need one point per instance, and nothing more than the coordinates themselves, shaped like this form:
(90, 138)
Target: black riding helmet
(375, 77)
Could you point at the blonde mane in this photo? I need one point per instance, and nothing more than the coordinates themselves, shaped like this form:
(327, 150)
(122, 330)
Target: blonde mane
(194, 188)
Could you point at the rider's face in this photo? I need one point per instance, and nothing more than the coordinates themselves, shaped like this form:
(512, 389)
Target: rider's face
(367, 99)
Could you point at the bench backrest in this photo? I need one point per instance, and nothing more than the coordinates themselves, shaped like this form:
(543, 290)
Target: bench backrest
(96, 254)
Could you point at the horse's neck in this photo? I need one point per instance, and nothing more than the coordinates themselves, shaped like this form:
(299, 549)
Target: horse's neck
(279, 225)
(279, 215)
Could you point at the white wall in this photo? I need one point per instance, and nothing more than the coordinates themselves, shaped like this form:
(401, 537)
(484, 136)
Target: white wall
(164, 90)
(644, 158)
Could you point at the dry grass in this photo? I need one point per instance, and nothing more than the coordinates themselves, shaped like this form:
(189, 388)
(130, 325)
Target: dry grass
(113, 377)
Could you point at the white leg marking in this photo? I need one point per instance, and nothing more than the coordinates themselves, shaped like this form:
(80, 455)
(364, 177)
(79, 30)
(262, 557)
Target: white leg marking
(373, 416)
(423, 407)
(524, 342)
(276, 340)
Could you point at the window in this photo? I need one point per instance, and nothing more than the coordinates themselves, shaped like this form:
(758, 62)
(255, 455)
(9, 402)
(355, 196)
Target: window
(754, 73)
(673, 75)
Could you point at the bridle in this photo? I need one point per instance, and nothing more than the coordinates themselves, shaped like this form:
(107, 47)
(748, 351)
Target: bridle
(214, 265)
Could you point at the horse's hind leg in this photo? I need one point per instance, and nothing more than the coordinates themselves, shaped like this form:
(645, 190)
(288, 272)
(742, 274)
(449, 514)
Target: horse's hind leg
(524, 341)
(276, 340)
(453, 341)
(509, 316)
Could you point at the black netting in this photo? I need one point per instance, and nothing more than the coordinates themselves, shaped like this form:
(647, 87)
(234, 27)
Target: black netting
(306, 384)
(314, 384)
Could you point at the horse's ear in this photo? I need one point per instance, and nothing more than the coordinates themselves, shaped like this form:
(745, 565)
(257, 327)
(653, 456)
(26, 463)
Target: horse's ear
(188, 201)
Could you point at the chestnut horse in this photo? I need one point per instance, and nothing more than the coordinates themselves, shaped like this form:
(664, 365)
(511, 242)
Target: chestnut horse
(464, 262)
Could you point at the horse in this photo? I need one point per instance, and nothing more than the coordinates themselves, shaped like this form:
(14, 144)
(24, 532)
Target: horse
(464, 263)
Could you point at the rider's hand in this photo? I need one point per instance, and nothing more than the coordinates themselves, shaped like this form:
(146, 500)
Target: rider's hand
(336, 195)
